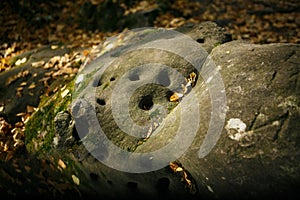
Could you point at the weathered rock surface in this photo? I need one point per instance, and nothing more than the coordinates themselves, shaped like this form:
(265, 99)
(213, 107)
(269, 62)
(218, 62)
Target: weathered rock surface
(255, 156)
(262, 89)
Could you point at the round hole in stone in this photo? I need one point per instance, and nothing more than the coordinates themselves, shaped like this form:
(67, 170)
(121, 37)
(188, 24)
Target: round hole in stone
(163, 78)
(163, 184)
(134, 77)
(112, 79)
(96, 83)
(146, 103)
(132, 185)
(200, 40)
(75, 134)
(101, 102)
(94, 176)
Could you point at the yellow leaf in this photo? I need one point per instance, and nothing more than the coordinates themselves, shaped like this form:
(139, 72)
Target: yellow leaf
(38, 63)
(1, 108)
(21, 61)
(20, 89)
(20, 114)
(179, 169)
(75, 179)
(61, 164)
(175, 97)
(31, 86)
(23, 84)
(30, 109)
(64, 93)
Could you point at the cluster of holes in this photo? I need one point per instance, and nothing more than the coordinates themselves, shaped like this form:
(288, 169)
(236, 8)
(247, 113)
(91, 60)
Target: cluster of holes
(163, 78)
(102, 101)
(146, 102)
(97, 83)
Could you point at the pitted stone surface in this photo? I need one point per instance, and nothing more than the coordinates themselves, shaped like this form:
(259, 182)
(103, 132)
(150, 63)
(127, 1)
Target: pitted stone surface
(262, 90)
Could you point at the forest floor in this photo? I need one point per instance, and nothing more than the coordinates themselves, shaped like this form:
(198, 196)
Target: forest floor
(29, 24)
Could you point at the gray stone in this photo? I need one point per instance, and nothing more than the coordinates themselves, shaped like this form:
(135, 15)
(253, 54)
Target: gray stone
(243, 146)
(208, 34)
(257, 154)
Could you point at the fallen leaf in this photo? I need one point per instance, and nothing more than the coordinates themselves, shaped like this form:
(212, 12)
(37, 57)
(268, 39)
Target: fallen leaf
(20, 89)
(31, 86)
(20, 61)
(38, 63)
(30, 109)
(75, 179)
(23, 73)
(1, 108)
(53, 47)
(179, 169)
(23, 84)
(174, 166)
(20, 114)
(61, 164)
(27, 168)
(19, 94)
(11, 79)
(64, 93)
(175, 97)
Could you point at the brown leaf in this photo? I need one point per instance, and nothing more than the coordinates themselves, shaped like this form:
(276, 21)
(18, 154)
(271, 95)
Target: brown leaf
(2, 108)
(23, 83)
(38, 63)
(20, 114)
(20, 61)
(64, 93)
(61, 164)
(30, 109)
(19, 94)
(31, 86)
(20, 89)
(174, 166)
(11, 79)
(23, 73)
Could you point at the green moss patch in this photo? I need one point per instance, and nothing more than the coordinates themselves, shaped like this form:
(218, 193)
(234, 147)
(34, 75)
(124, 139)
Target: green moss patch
(39, 130)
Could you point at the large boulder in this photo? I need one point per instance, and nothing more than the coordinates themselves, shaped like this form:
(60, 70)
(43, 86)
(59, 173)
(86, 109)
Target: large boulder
(233, 134)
